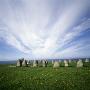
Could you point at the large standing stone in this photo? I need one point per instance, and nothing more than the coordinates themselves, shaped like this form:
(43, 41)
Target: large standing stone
(56, 64)
(28, 61)
(19, 63)
(45, 62)
(40, 63)
(24, 63)
(35, 63)
(87, 60)
(66, 63)
(79, 63)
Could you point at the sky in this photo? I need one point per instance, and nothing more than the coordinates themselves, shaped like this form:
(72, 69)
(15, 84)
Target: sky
(38, 29)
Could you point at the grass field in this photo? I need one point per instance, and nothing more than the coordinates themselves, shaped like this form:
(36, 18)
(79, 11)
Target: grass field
(40, 78)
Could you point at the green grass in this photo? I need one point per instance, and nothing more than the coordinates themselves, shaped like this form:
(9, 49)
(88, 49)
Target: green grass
(29, 78)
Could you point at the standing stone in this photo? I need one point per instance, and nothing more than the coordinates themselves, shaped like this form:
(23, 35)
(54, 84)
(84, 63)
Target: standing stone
(40, 63)
(24, 63)
(56, 64)
(87, 60)
(19, 63)
(79, 63)
(27, 61)
(52, 61)
(69, 60)
(45, 62)
(65, 63)
(35, 63)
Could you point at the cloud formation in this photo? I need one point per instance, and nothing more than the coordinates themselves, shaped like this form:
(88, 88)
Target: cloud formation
(44, 28)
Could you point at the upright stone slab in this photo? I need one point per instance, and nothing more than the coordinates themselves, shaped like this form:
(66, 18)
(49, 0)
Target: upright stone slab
(66, 63)
(87, 60)
(24, 63)
(52, 61)
(40, 63)
(44, 62)
(35, 63)
(79, 63)
(19, 63)
(28, 61)
(56, 64)
(69, 60)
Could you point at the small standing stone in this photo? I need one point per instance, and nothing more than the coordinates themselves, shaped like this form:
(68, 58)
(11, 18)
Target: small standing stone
(35, 63)
(66, 63)
(56, 64)
(87, 60)
(24, 63)
(19, 63)
(28, 61)
(45, 62)
(69, 60)
(52, 61)
(79, 63)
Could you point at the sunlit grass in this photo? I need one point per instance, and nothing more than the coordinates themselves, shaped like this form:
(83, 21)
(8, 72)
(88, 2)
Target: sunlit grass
(40, 78)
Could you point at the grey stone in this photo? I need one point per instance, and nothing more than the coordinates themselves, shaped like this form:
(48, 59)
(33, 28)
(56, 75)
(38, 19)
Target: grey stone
(66, 63)
(87, 60)
(70, 60)
(19, 63)
(79, 63)
(56, 64)
(24, 63)
(35, 63)
(44, 62)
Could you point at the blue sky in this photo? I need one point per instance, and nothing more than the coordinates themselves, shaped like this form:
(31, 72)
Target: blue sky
(44, 29)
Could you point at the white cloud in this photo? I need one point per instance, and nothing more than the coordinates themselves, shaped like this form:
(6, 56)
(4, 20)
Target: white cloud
(26, 26)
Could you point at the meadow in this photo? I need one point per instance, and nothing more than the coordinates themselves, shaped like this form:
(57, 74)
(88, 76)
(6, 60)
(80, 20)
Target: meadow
(45, 78)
